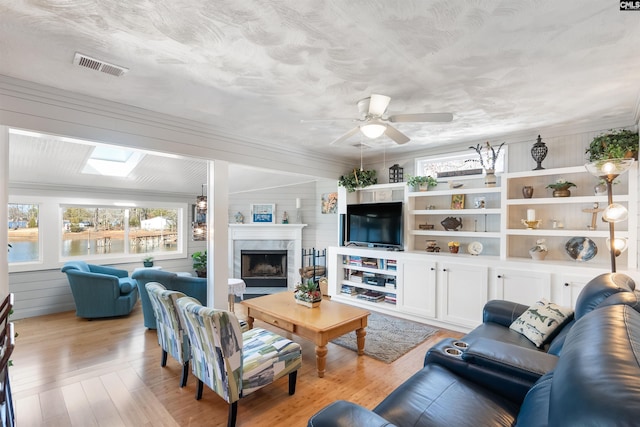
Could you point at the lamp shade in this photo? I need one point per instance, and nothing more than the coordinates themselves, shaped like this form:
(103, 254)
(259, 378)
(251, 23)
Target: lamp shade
(373, 129)
(615, 212)
(609, 168)
(619, 245)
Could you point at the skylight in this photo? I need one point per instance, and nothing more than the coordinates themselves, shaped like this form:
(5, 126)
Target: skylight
(111, 161)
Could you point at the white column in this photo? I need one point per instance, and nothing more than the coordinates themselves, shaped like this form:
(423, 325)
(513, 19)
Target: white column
(4, 201)
(218, 232)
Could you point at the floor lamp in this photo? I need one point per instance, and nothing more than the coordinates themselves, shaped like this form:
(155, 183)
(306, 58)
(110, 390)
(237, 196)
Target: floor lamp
(608, 170)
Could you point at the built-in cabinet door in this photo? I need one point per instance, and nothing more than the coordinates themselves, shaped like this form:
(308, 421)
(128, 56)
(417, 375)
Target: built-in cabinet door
(419, 288)
(522, 286)
(572, 285)
(464, 293)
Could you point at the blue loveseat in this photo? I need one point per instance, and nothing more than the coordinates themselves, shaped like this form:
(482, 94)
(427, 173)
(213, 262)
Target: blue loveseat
(591, 379)
(195, 287)
(100, 291)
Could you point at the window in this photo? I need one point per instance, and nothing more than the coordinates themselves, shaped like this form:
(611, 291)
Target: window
(23, 233)
(457, 165)
(92, 230)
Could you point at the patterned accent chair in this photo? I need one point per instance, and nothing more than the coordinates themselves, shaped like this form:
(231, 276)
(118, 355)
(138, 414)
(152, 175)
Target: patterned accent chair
(171, 335)
(232, 363)
(100, 291)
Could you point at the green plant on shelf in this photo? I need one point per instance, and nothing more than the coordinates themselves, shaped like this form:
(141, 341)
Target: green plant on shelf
(416, 181)
(618, 144)
(358, 178)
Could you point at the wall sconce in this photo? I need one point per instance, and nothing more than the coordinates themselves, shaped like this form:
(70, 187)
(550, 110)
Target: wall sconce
(610, 169)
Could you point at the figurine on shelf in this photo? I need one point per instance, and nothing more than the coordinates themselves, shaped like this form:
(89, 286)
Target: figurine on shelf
(239, 218)
(539, 251)
(285, 218)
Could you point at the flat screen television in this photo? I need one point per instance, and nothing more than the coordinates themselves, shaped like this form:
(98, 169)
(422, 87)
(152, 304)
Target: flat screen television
(375, 224)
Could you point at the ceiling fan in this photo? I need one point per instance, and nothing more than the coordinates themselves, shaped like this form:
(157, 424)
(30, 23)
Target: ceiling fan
(373, 123)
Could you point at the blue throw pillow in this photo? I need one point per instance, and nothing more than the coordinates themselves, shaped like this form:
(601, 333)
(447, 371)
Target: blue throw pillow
(126, 285)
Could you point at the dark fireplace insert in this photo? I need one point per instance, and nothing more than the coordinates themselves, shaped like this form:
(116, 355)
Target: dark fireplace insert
(264, 268)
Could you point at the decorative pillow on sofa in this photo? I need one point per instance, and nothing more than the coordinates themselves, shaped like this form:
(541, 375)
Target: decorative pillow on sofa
(541, 320)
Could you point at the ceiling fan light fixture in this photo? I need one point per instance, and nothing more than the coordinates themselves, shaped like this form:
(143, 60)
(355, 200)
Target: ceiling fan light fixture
(373, 130)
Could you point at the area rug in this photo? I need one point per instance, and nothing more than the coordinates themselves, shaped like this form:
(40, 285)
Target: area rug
(388, 337)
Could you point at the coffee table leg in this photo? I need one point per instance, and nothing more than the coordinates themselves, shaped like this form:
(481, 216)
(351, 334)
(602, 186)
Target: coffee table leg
(321, 359)
(360, 334)
(250, 322)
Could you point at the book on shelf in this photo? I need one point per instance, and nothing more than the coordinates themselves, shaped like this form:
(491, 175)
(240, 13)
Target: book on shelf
(348, 290)
(355, 261)
(390, 299)
(374, 296)
(370, 262)
(392, 265)
(356, 276)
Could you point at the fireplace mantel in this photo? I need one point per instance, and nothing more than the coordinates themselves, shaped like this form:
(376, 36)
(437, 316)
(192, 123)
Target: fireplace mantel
(240, 234)
(266, 231)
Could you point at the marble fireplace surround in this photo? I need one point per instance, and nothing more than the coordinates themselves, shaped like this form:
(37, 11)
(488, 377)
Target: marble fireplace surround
(267, 237)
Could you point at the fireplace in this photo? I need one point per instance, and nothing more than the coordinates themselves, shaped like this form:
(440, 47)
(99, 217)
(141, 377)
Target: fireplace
(264, 268)
(285, 238)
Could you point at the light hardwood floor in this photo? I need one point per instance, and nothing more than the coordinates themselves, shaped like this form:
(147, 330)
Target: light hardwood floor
(69, 371)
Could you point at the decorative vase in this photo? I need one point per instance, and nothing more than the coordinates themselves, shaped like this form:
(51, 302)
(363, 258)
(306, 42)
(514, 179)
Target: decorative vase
(538, 255)
(561, 192)
(490, 178)
(539, 152)
(423, 187)
(527, 191)
(600, 189)
(454, 249)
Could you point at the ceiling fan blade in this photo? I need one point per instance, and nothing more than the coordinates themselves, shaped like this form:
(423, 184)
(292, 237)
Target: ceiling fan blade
(421, 117)
(396, 135)
(378, 104)
(346, 135)
(336, 119)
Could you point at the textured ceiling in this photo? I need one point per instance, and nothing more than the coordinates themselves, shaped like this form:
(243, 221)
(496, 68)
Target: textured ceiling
(257, 68)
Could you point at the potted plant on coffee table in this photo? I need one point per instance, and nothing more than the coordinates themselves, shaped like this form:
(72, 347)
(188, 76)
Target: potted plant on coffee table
(308, 294)
(148, 261)
(200, 263)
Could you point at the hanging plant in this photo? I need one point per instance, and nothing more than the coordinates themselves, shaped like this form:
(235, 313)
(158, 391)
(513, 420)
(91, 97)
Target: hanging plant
(358, 178)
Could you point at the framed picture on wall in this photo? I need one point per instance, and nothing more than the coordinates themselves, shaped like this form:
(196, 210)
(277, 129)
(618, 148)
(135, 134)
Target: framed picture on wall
(264, 213)
(329, 203)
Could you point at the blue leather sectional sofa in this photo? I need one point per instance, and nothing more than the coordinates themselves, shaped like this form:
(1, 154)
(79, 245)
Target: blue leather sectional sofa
(586, 373)
(195, 287)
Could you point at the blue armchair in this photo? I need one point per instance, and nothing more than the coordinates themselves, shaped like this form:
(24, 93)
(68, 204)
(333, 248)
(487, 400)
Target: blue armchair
(195, 287)
(100, 291)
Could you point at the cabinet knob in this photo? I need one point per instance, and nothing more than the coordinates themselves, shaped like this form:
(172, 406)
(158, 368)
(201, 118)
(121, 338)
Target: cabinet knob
(566, 285)
(444, 269)
(499, 276)
(432, 269)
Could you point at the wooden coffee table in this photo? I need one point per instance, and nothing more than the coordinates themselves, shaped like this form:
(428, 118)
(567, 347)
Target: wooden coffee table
(320, 324)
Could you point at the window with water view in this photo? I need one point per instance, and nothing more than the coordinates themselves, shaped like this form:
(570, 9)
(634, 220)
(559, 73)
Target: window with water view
(23, 233)
(94, 230)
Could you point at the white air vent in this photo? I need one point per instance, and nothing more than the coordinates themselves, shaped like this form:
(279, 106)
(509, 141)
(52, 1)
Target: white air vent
(98, 65)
